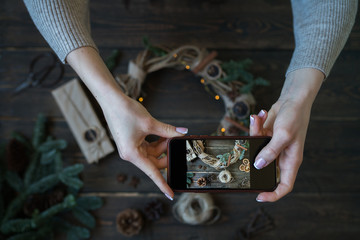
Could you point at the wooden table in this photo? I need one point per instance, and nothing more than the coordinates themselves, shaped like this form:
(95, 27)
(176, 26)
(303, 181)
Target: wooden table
(325, 201)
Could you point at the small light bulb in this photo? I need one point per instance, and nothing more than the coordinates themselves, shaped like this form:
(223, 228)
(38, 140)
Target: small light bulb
(202, 81)
(217, 97)
(141, 99)
(223, 130)
(175, 55)
(187, 67)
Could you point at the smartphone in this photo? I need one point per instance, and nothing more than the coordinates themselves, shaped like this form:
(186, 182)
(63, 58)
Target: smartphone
(218, 164)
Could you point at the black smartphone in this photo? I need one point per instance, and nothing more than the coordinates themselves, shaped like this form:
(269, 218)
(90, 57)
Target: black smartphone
(218, 164)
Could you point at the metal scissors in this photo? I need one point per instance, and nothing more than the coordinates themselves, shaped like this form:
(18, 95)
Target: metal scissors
(40, 68)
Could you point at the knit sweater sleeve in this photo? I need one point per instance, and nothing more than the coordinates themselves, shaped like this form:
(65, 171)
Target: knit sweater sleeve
(64, 24)
(321, 28)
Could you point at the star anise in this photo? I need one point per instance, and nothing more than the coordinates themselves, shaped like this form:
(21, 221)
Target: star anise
(121, 178)
(134, 182)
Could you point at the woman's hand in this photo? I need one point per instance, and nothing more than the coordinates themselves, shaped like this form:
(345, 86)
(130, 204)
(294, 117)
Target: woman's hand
(128, 121)
(287, 123)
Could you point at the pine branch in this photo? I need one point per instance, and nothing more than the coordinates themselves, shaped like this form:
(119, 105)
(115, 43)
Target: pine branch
(154, 50)
(39, 131)
(84, 217)
(14, 181)
(112, 60)
(89, 203)
(23, 225)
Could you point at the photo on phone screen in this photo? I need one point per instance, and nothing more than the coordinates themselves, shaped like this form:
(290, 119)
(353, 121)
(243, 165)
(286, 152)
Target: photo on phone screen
(212, 163)
(215, 163)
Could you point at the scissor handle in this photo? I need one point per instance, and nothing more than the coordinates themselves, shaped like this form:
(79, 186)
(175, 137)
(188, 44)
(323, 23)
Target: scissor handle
(41, 75)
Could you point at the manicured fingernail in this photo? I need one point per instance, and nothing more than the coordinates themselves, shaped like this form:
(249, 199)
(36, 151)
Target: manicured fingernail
(168, 196)
(260, 163)
(259, 200)
(252, 120)
(261, 113)
(182, 130)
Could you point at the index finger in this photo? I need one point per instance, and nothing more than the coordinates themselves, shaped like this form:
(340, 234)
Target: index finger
(149, 168)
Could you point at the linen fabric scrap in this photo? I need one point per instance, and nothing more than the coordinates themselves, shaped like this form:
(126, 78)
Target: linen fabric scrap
(83, 122)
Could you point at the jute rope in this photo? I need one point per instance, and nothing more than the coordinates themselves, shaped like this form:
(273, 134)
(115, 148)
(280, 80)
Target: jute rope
(213, 161)
(190, 57)
(196, 209)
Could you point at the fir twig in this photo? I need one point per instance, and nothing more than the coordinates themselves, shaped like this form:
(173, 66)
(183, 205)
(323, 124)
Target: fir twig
(155, 50)
(112, 60)
(44, 172)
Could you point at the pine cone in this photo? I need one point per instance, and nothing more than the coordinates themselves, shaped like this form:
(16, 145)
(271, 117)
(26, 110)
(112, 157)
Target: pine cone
(129, 222)
(43, 201)
(201, 182)
(16, 156)
(154, 210)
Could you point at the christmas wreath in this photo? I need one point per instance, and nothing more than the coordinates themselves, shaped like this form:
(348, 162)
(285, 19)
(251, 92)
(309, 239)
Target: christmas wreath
(230, 81)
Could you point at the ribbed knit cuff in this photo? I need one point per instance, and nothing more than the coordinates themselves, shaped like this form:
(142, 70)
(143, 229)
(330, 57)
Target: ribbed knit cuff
(64, 24)
(321, 28)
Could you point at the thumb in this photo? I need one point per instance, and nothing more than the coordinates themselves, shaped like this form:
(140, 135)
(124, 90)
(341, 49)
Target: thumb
(166, 130)
(272, 150)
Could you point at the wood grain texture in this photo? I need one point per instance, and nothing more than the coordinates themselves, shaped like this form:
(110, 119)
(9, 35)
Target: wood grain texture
(299, 216)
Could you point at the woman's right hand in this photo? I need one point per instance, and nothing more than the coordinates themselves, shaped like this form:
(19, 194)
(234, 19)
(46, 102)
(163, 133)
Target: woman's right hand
(128, 121)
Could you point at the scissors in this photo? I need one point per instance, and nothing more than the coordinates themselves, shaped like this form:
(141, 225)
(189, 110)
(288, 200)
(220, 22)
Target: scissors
(40, 68)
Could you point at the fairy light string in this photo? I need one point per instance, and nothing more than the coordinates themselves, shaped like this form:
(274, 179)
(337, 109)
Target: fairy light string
(230, 81)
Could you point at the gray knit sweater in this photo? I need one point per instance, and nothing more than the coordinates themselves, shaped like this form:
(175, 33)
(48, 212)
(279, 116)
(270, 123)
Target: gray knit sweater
(321, 28)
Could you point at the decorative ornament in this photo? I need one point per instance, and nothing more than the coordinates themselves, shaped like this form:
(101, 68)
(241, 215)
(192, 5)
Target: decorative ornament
(245, 166)
(221, 161)
(196, 209)
(259, 223)
(190, 155)
(225, 176)
(201, 182)
(129, 222)
(230, 81)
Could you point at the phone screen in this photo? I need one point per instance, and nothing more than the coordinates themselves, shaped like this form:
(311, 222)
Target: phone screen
(218, 163)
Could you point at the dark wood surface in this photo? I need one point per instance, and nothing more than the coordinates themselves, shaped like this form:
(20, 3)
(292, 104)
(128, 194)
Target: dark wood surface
(325, 201)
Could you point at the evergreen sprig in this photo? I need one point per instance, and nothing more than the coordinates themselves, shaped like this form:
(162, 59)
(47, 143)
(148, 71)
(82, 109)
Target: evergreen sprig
(238, 71)
(44, 172)
(159, 52)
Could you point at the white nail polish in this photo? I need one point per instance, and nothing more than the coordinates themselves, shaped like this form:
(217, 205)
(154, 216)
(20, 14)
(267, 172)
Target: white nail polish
(182, 130)
(261, 113)
(252, 120)
(168, 196)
